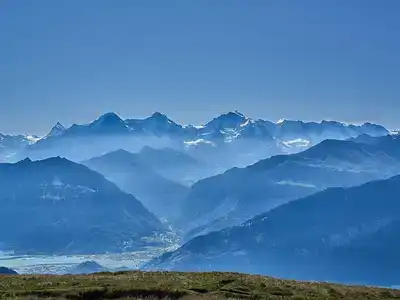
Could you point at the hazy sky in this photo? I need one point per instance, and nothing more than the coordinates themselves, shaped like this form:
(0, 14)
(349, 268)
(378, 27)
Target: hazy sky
(72, 60)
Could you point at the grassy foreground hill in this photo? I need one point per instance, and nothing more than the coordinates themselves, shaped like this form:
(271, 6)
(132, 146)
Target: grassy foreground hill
(166, 285)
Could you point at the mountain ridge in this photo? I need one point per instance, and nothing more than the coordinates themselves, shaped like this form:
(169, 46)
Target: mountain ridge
(133, 174)
(76, 210)
(242, 192)
(226, 120)
(308, 239)
(230, 139)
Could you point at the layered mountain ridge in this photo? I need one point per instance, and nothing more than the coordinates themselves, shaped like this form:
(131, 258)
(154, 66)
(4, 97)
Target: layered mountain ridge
(226, 127)
(134, 174)
(58, 206)
(339, 234)
(238, 194)
(158, 130)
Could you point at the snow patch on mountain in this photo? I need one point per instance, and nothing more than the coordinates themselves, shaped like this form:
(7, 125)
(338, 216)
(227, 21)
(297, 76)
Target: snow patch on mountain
(302, 143)
(32, 138)
(232, 130)
(57, 130)
(199, 142)
(294, 183)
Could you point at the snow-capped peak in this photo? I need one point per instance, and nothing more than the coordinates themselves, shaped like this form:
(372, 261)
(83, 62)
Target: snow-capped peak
(108, 118)
(59, 126)
(227, 120)
(160, 117)
(157, 114)
(109, 123)
(238, 113)
(57, 130)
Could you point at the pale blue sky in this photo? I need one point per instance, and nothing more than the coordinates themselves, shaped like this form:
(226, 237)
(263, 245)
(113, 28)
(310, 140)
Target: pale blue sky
(72, 60)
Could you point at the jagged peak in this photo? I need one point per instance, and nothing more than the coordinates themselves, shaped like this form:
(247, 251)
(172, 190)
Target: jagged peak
(237, 113)
(160, 117)
(57, 130)
(59, 125)
(157, 114)
(108, 117)
(234, 114)
(233, 117)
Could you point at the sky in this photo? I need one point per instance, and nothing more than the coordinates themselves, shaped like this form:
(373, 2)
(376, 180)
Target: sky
(71, 60)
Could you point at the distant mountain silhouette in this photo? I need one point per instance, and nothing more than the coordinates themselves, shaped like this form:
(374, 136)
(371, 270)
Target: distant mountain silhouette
(176, 165)
(241, 193)
(340, 234)
(7, 271)
(87, 267)
(230, 139)
(57, 206)
(134, 174)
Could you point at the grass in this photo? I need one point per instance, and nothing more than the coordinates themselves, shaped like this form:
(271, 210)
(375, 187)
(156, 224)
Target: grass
(175, 285)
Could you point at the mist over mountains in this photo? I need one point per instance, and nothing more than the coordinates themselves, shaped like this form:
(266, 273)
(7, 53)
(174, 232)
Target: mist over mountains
(230, 139)
(234, 196)
(134, 175)
(302, 200)
(340, 234)
(58, 206)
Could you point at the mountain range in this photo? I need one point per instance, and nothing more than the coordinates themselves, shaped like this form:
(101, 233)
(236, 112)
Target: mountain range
(12, 145)
(294, 199)
(135, 174)
(228, 126)
(339, 234)
(228, 140)
(58, 206)
(240, 193)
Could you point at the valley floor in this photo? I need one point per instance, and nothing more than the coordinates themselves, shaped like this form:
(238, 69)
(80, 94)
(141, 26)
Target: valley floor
(60, 264)
(174, 285)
